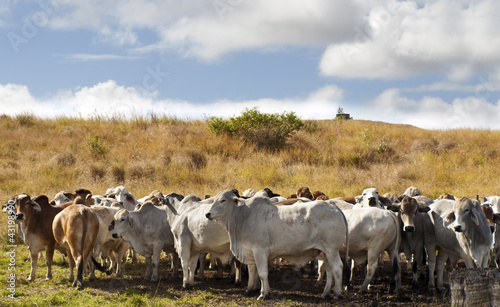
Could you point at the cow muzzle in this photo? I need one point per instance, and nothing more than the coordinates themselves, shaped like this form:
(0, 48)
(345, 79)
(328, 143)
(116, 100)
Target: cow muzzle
(409, 228)
(372, 202)
(20, 216)
(115, 235)
(458, 228)
(209, 216)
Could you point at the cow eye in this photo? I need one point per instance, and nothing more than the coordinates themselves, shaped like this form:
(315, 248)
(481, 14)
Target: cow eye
(122, 220)
(222, 200)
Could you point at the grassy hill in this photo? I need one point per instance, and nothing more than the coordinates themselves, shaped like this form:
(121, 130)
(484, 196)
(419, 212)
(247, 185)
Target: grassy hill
(42, 156)
(337, 157)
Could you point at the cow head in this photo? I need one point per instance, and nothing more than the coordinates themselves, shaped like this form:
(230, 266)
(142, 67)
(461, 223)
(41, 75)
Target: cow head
(222, 204)
(25, 207)
(465, 210)
(409, 210)
(369, 198)
(122, 222)
(61, 198)
(304, 192)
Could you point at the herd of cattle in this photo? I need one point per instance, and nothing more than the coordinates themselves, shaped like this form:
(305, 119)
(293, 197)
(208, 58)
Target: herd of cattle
(256, 227)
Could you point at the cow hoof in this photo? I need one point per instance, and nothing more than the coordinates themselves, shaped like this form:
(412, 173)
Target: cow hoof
(187, 287)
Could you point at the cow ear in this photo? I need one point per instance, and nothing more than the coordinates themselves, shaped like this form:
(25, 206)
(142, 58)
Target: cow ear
(36, 206)
(496, 218)
(450, 219)
(130, 222)
(358, 199)
(423, 209)
(238, 201)
(473, 216)
(393, 208)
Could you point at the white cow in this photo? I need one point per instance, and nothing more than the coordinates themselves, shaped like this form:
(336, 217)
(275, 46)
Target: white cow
(195, 234)
(372, 232)
(259, 231)
(457, 230)
(105, 240)
(371, 198)
(148, 231)
(122, 195)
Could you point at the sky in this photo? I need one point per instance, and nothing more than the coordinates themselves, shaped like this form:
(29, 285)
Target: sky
(432, 64)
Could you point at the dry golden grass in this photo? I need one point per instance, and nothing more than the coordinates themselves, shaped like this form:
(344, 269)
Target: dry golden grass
(338, 157)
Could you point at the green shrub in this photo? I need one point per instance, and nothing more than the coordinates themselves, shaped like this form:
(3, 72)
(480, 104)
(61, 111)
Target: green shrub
(95, 147)
(261, 129)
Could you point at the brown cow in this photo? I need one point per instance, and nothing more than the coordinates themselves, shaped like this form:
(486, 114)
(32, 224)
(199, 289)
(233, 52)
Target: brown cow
(349, 199)
(35, 218)
(317, 194)
(76, 228)
(488, 212)
(304, 192)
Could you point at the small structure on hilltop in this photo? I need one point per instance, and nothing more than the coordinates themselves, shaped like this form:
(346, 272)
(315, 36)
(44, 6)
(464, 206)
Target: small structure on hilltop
(342, 115)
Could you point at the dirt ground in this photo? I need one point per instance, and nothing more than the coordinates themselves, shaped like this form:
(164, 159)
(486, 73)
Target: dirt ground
(289, 289)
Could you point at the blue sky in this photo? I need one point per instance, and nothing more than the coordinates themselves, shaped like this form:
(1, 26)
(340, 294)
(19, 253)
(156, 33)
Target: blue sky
(432, 64)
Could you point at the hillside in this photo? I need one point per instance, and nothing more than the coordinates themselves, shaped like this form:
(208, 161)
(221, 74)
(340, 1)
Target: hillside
(337, 157)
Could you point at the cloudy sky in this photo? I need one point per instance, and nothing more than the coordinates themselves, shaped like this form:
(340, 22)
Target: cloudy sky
(433, 64)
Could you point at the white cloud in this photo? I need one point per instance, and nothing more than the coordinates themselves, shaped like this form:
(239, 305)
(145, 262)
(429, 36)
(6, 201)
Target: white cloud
(211, 29)
(406, 39)
(432, 112)
(110, 99)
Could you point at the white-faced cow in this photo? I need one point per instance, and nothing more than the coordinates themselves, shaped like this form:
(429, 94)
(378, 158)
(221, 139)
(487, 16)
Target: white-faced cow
(457, 230)
(259, 231)
(371, 198)
(148, 231)
(194, 234)
(373, 231)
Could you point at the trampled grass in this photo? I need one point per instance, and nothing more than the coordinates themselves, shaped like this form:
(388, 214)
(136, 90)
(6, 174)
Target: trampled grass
(339, 158)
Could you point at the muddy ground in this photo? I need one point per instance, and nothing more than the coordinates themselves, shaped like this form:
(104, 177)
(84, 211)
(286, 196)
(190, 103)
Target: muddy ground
(286, 288)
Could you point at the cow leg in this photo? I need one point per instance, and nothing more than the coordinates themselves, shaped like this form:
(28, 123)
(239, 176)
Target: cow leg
(193, 261)
(148, 268)
(333, 268)
(184, 255)
(174, 264)
(34, 260)
(440, 263)
(220, 269)
(261, 261)
(321, 271)
(371, 268)
(237, 271)
(253, 281)
(396, 271)
(49, 255)
(431, 266)
(203, 260)
(156, 262)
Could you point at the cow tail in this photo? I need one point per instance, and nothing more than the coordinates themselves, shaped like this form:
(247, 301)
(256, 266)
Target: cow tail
(79, 273)
(347, 266)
